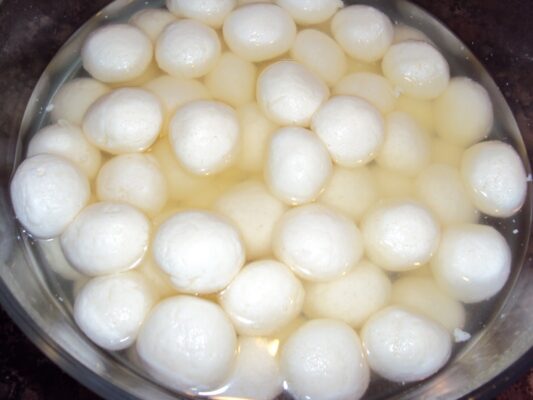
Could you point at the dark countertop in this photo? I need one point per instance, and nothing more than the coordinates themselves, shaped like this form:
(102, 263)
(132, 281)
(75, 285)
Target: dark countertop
(499, 32)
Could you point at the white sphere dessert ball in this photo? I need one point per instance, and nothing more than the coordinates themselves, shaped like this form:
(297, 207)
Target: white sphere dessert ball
(263, 298)
(117, 53)
(441, 188)
(324, 359)
(473, 262)
(158, 280)
(419, 109)
(124, 121)
(371, 87)
(422, 295)
(391, 184)
(188, 344)
(351, 298)
(173, 92)
(402, 346)
(68, 141)
(406, 32)
(255, 212)
(110, 310)
(406, 148)
(136, 179)
(400, 235)
(187, 49)
(256, 374)
(259, 32)
(417, 69)
(209, 12)
(463, 113)
(181, 184)
(321, 54)
(289, 93)
(232, 80)
(310, 12)
(201, 251)
(495, 178)
(74, 98)
(298, 165)
(205, 136)
(256, 131)
(47, 192)
(152, 21)
(351, 128)
(444, 152)
(106, 238)
(317, 243)
(364, 32)
(351, 190)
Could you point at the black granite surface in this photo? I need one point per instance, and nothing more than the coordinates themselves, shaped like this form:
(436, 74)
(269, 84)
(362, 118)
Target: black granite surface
(499, 32)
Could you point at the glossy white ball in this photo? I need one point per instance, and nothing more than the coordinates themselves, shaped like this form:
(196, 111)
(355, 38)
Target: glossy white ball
(495, 178)
(472, 263)
(402, 346)
(188, 344)
(47, 192)
(205, 136)
(298, 165)
(110, 310)
(263, 298)
(310, 12)
(187, 49)
(209, 12)
(323, 359)
(400, 235)
(259, 32)
(364, 32)
(117, 53)
(201, 251)
(417, 69)
(289, 93)
(351, 128)
(317, 243)
(106, 238)
(124, 121)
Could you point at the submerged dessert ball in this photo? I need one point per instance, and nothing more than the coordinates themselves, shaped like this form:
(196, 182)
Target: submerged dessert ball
(201, 251)
(186, 343)
(261, 199)
(323, 359)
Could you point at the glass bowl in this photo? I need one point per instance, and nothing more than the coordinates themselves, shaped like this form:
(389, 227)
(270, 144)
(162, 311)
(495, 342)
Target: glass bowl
(500, 350)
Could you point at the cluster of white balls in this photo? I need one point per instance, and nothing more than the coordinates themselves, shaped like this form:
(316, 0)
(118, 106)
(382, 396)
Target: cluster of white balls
(208, 266)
